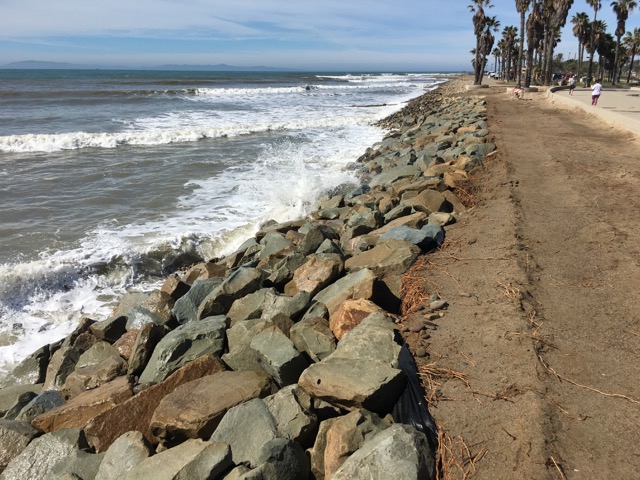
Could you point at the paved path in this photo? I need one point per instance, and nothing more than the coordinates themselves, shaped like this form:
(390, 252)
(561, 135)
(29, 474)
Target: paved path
(619, 107)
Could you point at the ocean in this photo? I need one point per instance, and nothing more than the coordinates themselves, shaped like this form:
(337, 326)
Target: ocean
(110, 180)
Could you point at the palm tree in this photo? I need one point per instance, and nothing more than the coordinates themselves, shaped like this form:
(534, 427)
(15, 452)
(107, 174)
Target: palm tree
(632, 42)
(480, 21)
(554, 14)
(596, 4)
(580, 30)
(509, 36)
(521, 6)
(535, 35)
(622, 9)
(497, 53)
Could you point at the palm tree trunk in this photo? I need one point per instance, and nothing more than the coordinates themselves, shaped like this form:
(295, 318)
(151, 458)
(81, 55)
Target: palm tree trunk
(521, 49)
(617, 59)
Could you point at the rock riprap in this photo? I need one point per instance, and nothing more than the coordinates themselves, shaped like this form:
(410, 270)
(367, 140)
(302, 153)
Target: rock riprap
(236, 366)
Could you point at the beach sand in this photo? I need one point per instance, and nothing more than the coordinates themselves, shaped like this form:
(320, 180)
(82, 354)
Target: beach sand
(533, 373)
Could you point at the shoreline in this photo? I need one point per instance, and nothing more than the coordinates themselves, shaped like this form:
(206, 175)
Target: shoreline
(276, 312)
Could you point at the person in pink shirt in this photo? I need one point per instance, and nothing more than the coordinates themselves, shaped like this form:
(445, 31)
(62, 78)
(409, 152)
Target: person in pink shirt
(596, 90)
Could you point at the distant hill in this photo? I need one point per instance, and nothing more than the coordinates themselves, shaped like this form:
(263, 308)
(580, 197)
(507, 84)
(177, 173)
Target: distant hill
(37, 65)
(221, 67)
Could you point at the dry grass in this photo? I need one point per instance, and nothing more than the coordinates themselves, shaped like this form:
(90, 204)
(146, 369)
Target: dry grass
(454, 459)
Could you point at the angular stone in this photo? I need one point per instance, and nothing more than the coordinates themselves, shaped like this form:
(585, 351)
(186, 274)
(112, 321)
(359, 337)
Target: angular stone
(267, 303)
(316, 453)
(186, 308)
(77, 412)
(373, 339)
(64, 360)
(124, 345)
(350, 314)
(41, 455)
(429, 201)
(390, 257)
(314, 337)
(273, 242)
(347, 434)
(145, 342)
(315, 236)
(184, 344)
(399, 452)
(9, 396)
(392, 175)
(238, 284)
(211, 462)
(354, 384)
(44, 402)
(359, 284)
(29, 371)
(278, 356)
(246, 428)
(14, 438)
(168, 463)
(78, 465)
(98, 365)
(21, 402)
(427, 238)
(175, 287)
(195, 408)
(282, 459)
(318, 272)
(415, 220)
(290, 408)
(110, 329)
(129, 450)
(241, 356)
(136, 413)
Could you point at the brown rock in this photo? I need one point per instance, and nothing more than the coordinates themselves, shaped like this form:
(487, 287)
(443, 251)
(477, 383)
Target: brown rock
(350, 314)
(136, 412)
(314, 275)
(391, 257)
(174, 287)
(125, 343)
(195, 409)
(429, 201)
(79, 411)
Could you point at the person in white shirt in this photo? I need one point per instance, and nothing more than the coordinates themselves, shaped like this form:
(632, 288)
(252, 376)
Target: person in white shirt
(596, 90)
(572, 84)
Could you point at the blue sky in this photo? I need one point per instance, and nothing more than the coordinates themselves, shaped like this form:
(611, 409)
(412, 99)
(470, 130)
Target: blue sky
(352, 35)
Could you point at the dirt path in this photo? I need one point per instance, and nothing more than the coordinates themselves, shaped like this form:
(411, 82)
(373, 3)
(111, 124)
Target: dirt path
(534, 368)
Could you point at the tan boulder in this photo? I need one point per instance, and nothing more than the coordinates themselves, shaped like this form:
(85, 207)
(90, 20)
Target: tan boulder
(350, 314)
(136, 412)
(314, 275)
(79, 411)
(429, 201)
(195, 409)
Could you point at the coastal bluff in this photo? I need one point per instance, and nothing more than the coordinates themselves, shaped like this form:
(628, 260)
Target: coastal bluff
(282, 360)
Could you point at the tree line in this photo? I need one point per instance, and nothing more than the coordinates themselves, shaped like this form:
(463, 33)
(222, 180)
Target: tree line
(540, 24)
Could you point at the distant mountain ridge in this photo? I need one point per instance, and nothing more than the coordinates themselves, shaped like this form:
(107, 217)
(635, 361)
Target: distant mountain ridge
(220, 67)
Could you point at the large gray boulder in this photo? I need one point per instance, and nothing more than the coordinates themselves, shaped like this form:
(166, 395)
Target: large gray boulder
(291, 410)
(126, 452)
(194, 409)
(399, 452)
(427, 238)
(278, 356)
(42, 454)
(246, 428)
(313, 336)
(389, 257)
(267, 303)
(362, 372)
(359, 284)
(31, 370)
(167, 464)
(282, 459)
(14, 438)
(186, 307)
(184, 344)
(239, 283)
(240, 355)
(47, 400)
(78, 464)
(211, 462)
(318, 272)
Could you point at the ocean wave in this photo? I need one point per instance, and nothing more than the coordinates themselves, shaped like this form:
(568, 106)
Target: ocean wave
(161, 136)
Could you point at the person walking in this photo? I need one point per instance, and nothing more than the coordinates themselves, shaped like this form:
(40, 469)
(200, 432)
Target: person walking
(572, 84)
(596, 90)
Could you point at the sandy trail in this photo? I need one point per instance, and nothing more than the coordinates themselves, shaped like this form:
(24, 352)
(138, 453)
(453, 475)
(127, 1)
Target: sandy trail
(543, 276)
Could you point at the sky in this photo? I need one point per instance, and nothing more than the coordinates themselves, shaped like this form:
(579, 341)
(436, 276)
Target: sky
(320, 35)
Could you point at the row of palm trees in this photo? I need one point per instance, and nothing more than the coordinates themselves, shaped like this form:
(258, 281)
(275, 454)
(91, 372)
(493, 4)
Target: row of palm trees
(542, 32)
